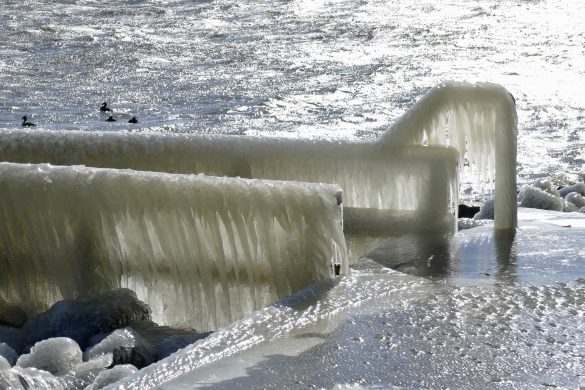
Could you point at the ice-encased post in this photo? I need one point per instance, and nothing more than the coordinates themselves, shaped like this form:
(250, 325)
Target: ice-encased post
(505, 201)
(480, 121)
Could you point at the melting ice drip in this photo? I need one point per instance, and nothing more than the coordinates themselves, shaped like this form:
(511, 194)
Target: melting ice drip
(201, 251)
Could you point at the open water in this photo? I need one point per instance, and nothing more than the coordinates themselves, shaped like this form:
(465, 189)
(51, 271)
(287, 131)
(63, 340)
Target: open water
(300, 68)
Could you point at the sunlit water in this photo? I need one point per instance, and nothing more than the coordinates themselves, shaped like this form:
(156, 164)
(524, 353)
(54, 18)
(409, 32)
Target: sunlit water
(293, 68)
(343, 69)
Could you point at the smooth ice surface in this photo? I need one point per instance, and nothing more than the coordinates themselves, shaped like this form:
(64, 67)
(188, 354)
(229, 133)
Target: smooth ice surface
(200, 251)
(478, 310)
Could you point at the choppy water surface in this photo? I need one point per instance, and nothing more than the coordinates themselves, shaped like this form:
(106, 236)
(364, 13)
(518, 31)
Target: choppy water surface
(293, 68)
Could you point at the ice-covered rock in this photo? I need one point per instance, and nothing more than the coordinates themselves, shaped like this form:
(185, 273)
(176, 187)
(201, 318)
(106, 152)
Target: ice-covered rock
(547, 186)
(56, 355)
(81, 318)
(112, 375)
(19, 378)
(538, 198)
(486, 211)
(578, 188)
(569, 207)
(8, 353)
(576, 199)
(120, 338)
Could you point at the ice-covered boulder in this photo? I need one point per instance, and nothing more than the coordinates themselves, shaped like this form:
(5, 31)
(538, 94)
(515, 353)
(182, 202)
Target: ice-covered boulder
(578, 188)
(176, 342)
(576, 199)
(81, 318)
(56, 355)
(538, 198)
(112, 375)
(486, 211)
(8, 353)
(120, 338)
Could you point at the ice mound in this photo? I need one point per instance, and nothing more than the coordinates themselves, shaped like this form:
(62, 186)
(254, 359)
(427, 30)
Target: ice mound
(82, 318)
(577, 187)
(57, 356)
(112, 375)
(120, 338)
(575, 199)
(19, 378)
(537, 198)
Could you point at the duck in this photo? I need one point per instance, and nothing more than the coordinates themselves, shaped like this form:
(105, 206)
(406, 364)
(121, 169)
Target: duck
(104, 107)
(110, 119)
(25, 123)
(133, 120)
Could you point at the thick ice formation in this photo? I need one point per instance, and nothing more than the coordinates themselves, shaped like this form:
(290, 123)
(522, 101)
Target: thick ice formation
(200, 251)
(112, 375)
(371, 176)
(57, 356)
(480, 121)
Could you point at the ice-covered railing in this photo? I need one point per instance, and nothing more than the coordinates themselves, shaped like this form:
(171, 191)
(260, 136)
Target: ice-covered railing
(415, 179)
(480, 121)
(201, 251)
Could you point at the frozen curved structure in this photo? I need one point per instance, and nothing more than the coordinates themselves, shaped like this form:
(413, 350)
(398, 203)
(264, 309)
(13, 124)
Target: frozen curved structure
(201, 251)
(480, 121)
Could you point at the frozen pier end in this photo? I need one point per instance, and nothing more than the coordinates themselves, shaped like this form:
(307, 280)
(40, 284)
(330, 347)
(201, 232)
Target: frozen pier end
(201, 251)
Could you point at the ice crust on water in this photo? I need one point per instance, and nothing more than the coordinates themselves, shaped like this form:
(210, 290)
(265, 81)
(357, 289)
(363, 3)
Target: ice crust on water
(200, 251)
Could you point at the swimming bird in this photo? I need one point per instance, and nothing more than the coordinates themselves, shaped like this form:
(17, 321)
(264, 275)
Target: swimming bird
(27, 124)
(110, 119)
(104, 107)
(133, 120)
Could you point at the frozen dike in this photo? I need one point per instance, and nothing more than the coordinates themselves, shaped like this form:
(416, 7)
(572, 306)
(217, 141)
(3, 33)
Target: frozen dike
(200, 251)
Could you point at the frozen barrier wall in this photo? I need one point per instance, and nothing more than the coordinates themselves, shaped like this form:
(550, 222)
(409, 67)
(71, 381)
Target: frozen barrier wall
(480, 121)
(201, 251)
